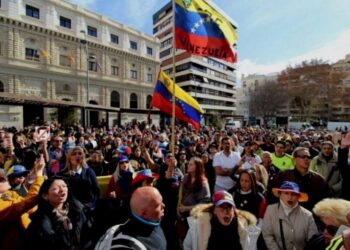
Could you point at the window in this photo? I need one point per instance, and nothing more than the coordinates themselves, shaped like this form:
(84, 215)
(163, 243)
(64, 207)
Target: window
(65, 58)
(32, 54)
(64, 61)
(92, 66)
(65, 22)
(92, 31)
(148, 101)
(114, 70)
(66, 87)
(114, 39)
(149, 77)
(149, 51)
(32, 11)
(133, 74)
(166, 42)
(115, 99)
(133, 45)
(165, 53)
(133, 101)
(2, 88)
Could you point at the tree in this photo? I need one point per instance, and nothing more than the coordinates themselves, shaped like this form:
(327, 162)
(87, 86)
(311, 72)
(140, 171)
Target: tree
(313, 90)
(266, 100)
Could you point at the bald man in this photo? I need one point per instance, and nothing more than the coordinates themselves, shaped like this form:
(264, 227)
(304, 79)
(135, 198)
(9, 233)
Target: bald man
(142, 231)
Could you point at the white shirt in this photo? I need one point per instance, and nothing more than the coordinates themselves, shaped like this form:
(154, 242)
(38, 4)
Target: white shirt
(220, 159)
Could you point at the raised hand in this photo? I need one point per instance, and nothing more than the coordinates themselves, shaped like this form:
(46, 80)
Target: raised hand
(345, 142)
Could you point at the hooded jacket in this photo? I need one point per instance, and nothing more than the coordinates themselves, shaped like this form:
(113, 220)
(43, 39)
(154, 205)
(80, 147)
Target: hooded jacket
(198, 234)
(320, 165)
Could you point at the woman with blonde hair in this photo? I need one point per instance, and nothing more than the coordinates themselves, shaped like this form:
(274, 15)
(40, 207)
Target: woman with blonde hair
(81, 178)
(332, 213)
(262, 177)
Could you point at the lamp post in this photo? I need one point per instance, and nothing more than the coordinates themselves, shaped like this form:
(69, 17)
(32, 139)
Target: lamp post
(87, 65)
(86, 112)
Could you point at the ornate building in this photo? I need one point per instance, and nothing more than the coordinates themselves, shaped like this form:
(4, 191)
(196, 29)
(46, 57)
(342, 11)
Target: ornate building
(56, 56)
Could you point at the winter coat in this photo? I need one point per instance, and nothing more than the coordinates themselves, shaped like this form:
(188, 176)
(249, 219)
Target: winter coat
(298, 227)
(197, 237)
(46, 231)
(13, 216)
(324, 168)
(84, 186)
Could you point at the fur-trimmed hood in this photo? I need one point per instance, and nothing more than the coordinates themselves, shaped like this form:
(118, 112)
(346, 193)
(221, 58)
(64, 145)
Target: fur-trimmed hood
(200, 227)
(243, 216)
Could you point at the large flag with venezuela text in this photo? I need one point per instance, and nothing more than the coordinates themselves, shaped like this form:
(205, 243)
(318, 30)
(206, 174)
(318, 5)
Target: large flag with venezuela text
(187, 108)
(201, 30)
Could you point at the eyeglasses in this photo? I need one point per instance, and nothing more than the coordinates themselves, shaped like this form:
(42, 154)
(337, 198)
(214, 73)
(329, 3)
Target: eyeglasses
(169, 156)
(304, 156)
(123, 162)
(58, 140)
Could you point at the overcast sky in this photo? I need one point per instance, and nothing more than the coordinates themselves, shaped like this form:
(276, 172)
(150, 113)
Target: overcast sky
(272, 33)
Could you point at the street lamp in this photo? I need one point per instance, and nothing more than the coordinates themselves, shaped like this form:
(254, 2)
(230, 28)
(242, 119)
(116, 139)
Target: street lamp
(87, 65)
(85, 110)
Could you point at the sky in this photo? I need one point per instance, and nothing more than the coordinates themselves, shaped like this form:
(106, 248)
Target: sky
(273, 34)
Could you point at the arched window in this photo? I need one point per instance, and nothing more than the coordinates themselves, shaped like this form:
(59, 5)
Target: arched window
(115, 99)
(148, 101)
(2, 88)
(133, 101)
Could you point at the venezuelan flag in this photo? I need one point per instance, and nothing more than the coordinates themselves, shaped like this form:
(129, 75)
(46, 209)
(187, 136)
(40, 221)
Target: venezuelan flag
(187, 108)
(201, 30)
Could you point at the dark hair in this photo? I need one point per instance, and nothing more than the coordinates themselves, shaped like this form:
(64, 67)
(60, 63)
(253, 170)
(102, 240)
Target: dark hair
(252, 176)
(281, 142)
(44, 189)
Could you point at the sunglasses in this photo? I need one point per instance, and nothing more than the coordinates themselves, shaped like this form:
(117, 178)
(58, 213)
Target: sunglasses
(304, 156)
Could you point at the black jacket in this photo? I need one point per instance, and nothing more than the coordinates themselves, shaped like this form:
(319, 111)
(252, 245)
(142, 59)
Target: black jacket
(344, 168)
(47, 232)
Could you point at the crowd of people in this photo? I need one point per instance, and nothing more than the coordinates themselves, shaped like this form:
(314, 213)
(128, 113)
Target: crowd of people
(244, 188)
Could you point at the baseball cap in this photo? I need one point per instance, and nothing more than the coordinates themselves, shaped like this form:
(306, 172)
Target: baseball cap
(143, 175)
(17, 170)
(221, 197)
(123, 158)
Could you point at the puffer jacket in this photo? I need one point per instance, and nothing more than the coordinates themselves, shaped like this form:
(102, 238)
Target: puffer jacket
(198, 234)
(298, 227)
(324, 168)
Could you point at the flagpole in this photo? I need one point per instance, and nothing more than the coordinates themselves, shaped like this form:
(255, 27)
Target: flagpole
(174, 99)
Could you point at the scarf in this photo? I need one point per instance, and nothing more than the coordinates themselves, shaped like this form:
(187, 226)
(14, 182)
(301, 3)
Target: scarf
(224, 237)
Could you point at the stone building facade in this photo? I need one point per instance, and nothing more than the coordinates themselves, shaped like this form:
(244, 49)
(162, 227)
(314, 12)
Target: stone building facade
(55, 54)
